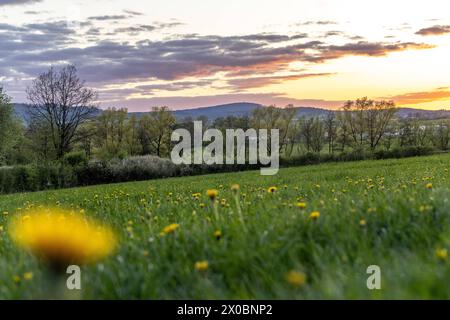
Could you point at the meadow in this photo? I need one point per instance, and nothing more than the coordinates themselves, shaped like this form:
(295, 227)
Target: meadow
(306, 233)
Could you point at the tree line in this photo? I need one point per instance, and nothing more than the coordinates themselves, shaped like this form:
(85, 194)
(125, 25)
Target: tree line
(63, 118)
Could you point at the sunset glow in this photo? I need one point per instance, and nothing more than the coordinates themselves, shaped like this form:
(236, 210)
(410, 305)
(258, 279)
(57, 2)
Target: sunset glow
(186, 54)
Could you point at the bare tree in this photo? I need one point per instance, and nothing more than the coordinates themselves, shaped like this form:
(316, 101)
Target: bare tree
(330, 130)
(60, 99)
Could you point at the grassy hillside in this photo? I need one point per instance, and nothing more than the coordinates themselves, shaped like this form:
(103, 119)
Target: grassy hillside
(394, 214)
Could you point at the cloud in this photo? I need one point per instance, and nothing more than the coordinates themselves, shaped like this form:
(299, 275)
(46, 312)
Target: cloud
(109, 17)
(413, 98)
(433, 31)
(17, 2)
(257, 82)
(133, 13)
(320, 23)
(364, 48)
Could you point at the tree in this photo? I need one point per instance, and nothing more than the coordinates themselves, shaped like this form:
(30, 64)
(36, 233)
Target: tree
(272, 117)
(330, 130)
(10, 128)
(155, 131)
(60, 99)
(441, 136)
(317, 136)
(306, 131)
(367, 120)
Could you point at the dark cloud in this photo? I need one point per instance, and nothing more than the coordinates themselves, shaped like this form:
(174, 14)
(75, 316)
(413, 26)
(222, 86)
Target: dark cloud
(17, 2)
(246, 61)
(433, 31)
(364, 48)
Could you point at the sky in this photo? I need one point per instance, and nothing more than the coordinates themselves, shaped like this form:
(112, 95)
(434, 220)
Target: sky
(186, 54)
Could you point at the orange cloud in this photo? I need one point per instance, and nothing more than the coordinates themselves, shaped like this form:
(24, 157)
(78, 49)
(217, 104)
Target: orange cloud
(420, 97)
(257, 82)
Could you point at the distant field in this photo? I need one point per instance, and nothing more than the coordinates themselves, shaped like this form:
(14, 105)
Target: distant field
(392, 213)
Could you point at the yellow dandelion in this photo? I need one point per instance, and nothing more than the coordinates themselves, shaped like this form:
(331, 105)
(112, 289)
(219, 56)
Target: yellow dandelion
(301, 205)
(201, 205)
(170, 228)
(202, 265)
(218, 234)
(62, 237)
(272, 189)
(429, 185)
(28, 275)
(442, 254)
(212, 194)
(235, 188)
(362, 222)
(295, 278)
(314, 215)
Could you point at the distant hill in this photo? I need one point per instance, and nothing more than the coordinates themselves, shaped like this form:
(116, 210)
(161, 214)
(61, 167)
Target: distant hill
(245, 108)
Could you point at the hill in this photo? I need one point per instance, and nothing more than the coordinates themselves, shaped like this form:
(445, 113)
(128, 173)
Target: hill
(245, 108)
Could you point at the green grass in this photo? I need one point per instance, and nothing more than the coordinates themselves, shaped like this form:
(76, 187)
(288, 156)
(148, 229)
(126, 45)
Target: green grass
(405, 224)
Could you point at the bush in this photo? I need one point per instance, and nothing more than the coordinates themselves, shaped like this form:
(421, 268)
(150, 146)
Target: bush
(75, 159)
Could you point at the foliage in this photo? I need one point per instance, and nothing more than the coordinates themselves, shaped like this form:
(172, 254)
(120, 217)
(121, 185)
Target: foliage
(313, 237)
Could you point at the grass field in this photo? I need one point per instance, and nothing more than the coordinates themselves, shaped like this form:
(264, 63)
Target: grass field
(393, 213)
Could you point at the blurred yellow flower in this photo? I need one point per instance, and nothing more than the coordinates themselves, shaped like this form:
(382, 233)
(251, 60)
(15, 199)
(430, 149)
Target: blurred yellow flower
(202, 265)
(314, 215)
(212, 194)
(218, 234)
(272, 189)
(235, 187)
(62, 237)
(362, 222)
(442, 254)
(28, 275)
(295, 278)
(301, 205)
(170, 228)
(429, 186)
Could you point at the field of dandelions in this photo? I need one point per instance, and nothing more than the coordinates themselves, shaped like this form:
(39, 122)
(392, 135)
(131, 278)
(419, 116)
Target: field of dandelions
(306, 233)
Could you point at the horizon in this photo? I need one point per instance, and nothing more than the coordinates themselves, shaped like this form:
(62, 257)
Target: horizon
(196, 54)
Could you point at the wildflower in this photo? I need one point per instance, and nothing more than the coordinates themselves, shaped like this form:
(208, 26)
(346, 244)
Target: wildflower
(235, 188)
(314, 215)
(429, 185)
(62, 237)
(272, 189)
(442, 254)
(28, 275)
(295, 278)
(301, 205)
(218, 234)
(362, 222)
(202, 265)
(201, 205)
(212, 194)
(170, 228)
